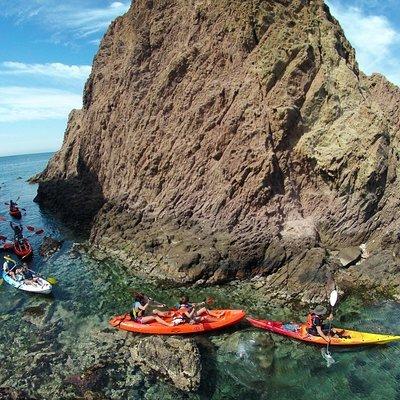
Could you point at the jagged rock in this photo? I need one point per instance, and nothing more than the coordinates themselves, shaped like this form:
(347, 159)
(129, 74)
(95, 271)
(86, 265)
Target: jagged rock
(176, 359)
(49, 246)
(379, 272)
(349, 255)
(239, 132)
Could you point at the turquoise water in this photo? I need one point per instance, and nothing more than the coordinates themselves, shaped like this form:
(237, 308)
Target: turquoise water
(46, 340)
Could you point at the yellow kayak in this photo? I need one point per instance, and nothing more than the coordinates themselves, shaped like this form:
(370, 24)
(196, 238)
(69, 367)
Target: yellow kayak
(299, 332)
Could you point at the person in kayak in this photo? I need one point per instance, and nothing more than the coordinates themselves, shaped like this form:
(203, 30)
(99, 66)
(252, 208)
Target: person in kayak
(29, 278)
(7, 266)
(13, 206)
(316, 327)
(18, 229)
(139, 309)
(186, 312)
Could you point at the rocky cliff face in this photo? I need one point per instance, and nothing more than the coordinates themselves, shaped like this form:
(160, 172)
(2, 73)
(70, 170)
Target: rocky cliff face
(227, 139)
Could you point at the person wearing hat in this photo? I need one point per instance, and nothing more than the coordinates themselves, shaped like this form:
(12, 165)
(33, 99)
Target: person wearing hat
(315, 323)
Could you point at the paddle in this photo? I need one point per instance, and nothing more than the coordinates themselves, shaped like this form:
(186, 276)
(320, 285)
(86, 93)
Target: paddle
(157, 303)
(33, 229)
(327, 355)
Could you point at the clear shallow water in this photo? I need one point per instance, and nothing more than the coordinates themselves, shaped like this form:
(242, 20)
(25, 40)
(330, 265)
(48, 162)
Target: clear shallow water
(46, 340)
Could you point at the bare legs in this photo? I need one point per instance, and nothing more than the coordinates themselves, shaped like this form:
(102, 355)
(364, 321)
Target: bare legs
(155, 318)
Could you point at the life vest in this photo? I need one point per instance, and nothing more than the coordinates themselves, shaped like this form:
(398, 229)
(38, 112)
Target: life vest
(310, 321)
(136, 311)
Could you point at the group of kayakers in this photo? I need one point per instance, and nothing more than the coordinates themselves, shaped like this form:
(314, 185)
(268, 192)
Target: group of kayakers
(183, 312)
(19, 272)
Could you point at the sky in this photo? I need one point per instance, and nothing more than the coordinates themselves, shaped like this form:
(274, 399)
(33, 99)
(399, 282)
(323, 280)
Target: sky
(47, 48)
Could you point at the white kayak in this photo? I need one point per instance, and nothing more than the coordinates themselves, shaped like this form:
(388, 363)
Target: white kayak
(41, 286)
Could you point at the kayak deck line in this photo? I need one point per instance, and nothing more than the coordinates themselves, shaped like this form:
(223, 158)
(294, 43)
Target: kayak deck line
(353, 338)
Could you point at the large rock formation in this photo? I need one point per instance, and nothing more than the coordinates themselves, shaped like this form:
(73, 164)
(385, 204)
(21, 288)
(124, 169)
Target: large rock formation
(224, 139)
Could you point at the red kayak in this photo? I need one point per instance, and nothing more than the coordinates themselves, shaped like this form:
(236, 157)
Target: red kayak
(16, 213)
(227, 318)
(23, 250)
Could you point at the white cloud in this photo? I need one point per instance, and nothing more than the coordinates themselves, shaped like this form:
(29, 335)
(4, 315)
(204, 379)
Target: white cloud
(79, 18)
(26, 104)
(116, 4)
(373, 36)
(54, 70)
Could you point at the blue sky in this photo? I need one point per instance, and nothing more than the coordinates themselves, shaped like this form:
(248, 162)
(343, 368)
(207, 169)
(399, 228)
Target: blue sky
(47, 47)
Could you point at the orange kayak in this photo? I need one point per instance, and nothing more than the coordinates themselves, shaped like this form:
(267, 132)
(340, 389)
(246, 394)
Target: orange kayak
(299, 332)
(227, 318)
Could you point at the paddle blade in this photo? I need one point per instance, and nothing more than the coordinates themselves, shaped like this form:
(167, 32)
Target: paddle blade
(2, 218)
(30, 228)
(3, 238)
(327, 357)
(333, 298)
(52, 280)
(39, 231)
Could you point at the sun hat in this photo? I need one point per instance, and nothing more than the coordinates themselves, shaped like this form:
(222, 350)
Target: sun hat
(319, 310)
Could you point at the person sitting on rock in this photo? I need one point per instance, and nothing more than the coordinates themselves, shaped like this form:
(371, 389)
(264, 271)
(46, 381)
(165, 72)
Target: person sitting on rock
(18, 229)
(316, 327)
(139, 308)
(7, 267)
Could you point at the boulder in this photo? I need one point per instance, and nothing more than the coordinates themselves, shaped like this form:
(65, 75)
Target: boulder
(349, 255)
(176, 359)
(49, 246)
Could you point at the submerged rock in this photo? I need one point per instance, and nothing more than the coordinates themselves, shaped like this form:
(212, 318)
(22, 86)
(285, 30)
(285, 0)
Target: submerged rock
(92, 379)
(12, 394)
(49, 246)
(174, 358)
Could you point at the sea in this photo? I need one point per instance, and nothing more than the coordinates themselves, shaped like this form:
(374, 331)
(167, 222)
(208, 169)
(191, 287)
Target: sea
(61, 346)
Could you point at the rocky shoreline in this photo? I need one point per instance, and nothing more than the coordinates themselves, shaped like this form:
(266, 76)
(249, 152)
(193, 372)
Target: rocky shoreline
(53, 353)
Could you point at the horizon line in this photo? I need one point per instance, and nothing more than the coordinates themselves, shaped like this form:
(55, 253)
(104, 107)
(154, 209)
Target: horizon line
(28, 154)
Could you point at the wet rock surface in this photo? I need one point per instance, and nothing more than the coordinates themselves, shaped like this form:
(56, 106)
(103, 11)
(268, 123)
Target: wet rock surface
(49, 246)
(175, 358)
